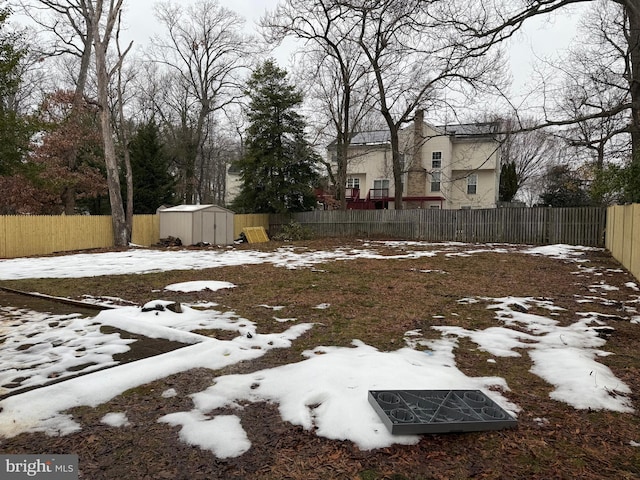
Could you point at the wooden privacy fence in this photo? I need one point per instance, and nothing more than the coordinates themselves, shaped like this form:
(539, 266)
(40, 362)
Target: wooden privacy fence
(41, 235)
(26, 235)
(623, 236)
(539, 226)
(249, 220)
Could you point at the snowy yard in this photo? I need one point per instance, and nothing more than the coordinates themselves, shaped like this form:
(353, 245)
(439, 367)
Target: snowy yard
(325, 391)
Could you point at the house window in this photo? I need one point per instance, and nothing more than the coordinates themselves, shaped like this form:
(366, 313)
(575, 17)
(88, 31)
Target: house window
(380, 188)
(435, 181)
(353, 182)
(472, 184)
(436, 159)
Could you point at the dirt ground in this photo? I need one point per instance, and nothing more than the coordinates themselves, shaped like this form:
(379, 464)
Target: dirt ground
(376, 301)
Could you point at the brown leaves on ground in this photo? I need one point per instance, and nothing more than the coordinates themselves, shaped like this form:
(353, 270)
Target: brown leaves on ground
(377, 302)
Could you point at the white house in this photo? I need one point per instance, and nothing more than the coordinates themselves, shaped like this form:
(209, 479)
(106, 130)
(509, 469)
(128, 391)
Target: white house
(448, 167)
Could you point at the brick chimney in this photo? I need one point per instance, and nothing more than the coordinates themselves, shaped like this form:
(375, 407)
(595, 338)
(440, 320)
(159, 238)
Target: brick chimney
(417, 174)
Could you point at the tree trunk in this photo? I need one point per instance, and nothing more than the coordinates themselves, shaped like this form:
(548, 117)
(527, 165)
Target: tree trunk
(129, 180)
(396, 158)
(118, 220)
(69, 196)
(397, 167)
(342, 152)
(632, 10)
(124, 140)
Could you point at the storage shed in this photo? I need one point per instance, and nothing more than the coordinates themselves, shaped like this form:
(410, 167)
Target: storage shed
(197, 223)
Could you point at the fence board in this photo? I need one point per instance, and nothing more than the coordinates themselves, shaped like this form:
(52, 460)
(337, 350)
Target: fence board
(634, 266)
(249, 220)
(577, 226)
(3, 237)
(146, 230)
(623, 236)
(40, 235)
(37, 235)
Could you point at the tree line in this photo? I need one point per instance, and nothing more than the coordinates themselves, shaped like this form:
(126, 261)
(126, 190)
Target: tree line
(90, 125)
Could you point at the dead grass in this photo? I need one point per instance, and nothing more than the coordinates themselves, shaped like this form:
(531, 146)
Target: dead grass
(377, 302)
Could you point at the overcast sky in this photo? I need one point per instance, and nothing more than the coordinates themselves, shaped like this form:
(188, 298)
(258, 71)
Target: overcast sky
(541, 37)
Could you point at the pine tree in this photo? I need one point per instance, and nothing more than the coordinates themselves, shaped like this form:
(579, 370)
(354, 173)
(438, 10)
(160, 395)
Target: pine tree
(278, 171)
(564, 188)
(508, 182)
(15, 129)
(153, 185)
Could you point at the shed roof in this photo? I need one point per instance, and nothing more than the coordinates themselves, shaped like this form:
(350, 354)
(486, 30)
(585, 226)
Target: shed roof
(194, 208)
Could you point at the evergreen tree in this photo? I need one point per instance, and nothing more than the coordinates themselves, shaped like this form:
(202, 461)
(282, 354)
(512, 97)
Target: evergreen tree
(630, 180)
(508, 182)
(278, 171)
(19, 194)
(15, 129)
(564, 188)
(153, 185)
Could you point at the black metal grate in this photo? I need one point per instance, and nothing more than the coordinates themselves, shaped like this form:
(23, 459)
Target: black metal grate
(438, 411)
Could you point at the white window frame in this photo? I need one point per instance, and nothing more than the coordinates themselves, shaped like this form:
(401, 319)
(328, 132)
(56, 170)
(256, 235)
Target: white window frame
(436, 160)
(472, 184)
(436, 180)
(353, 182)
(378, 186)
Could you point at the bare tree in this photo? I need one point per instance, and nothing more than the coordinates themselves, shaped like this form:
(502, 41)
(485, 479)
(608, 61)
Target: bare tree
(35, 80)
(491, 26)
(595, 83)
(162, 95)
(206, 53)
(103, 20)
(335, 65)
(527, 152)
(70, 24)
(69, 32)
(122, 127)
(414, 58)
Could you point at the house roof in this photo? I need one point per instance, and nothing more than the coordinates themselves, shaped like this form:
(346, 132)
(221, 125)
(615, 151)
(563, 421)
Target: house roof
(462, 130)
(482, 129)
(374, 137)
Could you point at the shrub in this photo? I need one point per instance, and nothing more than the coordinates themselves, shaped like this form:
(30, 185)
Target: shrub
(294, 231)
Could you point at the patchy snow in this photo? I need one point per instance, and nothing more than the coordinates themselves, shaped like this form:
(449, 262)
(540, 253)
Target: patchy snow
(274, 308)
(560, 251)
(284, 320)
(222, 435)
(325, 392)
(116, 419)
(40, 410)
(632, 285)
(565, 357)
(40, 347)
(199, 286)
(169, 393)
(148, 261)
